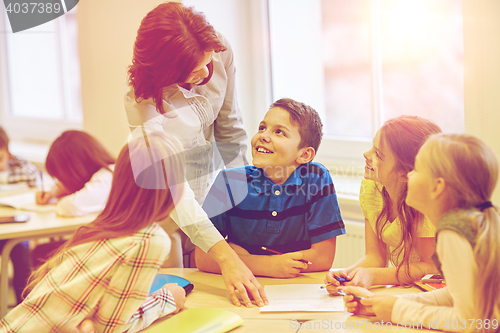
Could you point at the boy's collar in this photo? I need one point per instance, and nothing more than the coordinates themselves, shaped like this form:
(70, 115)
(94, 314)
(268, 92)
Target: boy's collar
(262, 184)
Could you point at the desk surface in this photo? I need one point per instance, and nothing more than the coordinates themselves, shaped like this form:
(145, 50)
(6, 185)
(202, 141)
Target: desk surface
(40, 224)
(210, 291)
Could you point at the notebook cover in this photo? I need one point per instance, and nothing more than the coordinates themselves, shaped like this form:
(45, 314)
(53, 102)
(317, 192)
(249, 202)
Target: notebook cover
(206, 320)
(162, 279)
(429, 286)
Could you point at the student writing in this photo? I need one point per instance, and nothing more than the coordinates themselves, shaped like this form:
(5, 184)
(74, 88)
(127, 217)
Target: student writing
(283, 202)
(452, 184)
(105, 270)
(83, 169)
(394, 231)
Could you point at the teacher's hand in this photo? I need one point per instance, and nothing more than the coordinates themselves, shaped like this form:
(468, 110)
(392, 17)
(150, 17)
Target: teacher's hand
(237, 276)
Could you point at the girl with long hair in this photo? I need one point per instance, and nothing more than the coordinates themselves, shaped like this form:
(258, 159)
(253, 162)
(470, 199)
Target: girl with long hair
(105, 270)
(182, 81)
(83, 169)
(452, 184)
(394, 232)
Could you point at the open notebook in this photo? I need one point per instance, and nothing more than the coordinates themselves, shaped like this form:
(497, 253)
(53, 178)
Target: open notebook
(199, 320)
(25, 201)
(301, 297)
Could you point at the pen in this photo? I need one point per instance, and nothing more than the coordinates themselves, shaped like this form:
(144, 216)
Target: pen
(338, 278)
(41, 183)
(356, 298)
(276, 252)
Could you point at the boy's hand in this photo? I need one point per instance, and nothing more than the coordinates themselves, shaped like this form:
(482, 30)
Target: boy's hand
(179, 295)
(355, 306)
(332, 283)
(286, 265)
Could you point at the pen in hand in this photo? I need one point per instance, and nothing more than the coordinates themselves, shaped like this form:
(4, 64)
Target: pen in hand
(338, 278)
(41, 183)
(276, 252)
(356, 298)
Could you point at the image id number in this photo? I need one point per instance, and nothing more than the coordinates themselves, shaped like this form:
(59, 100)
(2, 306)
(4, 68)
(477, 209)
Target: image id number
(33, 7)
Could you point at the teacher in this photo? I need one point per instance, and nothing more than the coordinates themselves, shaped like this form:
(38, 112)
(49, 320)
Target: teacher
(182, 81)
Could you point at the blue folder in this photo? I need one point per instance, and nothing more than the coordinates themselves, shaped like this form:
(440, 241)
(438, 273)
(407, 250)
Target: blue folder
(162, 279)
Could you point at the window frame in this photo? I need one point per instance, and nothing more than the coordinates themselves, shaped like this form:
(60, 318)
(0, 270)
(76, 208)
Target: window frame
(32, 129)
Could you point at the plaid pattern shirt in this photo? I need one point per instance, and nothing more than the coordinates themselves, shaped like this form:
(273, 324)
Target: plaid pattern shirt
(107, 281)
(21, 171)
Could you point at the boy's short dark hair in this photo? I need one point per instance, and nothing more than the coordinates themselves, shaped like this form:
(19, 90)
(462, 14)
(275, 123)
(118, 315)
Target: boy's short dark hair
(306, 118)
(4, 139)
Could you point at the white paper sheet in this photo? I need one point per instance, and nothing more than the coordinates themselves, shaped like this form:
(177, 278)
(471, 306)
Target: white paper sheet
(301, 297)
(26, 201)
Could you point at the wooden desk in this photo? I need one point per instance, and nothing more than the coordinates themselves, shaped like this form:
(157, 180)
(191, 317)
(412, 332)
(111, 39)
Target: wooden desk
(210, 291)
(40, 225)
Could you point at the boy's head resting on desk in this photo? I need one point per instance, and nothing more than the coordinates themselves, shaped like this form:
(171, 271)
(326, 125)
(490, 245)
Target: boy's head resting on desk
(288, 136)
(4, 150)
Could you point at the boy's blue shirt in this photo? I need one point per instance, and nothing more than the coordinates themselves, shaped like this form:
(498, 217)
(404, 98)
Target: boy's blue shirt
(287, 217)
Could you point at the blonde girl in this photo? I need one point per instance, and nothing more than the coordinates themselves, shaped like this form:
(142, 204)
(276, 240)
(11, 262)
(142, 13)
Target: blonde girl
(452, 184)
(105, 270)
(394, 232)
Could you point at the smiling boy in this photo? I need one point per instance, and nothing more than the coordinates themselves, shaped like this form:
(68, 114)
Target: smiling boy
(283, 202)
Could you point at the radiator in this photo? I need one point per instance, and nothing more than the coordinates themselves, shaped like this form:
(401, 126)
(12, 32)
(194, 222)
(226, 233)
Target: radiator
(351, 246)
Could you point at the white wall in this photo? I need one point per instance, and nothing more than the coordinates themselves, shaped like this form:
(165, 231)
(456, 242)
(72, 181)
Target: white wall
(482, 72)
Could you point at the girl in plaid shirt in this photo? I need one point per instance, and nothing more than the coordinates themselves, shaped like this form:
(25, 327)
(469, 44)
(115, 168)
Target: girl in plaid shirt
(105, 270)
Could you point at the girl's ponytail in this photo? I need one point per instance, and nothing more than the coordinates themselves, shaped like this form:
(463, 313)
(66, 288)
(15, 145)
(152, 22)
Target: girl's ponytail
(487, 255)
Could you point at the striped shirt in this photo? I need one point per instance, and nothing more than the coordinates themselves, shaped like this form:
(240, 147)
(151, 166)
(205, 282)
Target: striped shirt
(107, 281)
(252, 212)
(21, 171)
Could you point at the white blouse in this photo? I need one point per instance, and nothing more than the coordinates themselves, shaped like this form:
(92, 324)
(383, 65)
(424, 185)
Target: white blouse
(90, 199)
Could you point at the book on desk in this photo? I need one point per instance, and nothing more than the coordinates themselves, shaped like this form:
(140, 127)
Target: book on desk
(431, 284)
(25, 201)
(206, 320)
(162, 279)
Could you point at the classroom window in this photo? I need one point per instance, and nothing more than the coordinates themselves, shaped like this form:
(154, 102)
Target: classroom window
(361, 62)
(40, 81)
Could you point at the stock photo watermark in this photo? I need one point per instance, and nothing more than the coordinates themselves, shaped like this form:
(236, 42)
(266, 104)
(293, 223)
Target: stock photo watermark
(329, 324)
(26, 14)
(365, 324)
